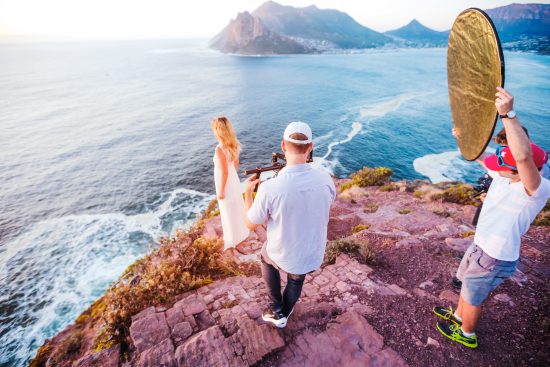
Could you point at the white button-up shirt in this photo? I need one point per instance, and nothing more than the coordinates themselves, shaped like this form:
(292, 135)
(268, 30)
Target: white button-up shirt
(296, 206)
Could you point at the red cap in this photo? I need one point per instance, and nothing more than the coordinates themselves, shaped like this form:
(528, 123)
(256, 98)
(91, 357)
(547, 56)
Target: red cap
(507, 159)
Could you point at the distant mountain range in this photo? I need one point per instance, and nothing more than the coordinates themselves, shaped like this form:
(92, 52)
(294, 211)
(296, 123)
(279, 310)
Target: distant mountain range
(277, 29)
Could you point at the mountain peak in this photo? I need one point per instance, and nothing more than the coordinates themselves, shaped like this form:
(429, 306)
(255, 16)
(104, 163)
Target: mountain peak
(415, 33)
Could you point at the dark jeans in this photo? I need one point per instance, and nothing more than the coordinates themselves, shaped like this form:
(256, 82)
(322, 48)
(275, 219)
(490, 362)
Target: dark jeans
(285, 302)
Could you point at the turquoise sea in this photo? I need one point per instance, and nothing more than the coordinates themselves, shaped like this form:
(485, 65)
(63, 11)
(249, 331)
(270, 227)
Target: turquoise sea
(106, 146)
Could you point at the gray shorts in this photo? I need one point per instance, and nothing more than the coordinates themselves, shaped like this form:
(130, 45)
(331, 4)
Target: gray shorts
(480, 274)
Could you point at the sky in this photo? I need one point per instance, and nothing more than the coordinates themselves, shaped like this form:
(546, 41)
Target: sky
(144, 19)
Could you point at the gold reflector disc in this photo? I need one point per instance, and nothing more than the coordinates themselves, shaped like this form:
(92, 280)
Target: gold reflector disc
(475, 67)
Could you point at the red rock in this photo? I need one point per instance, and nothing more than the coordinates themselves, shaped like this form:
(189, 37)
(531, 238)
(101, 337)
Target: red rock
(149, 331)
(207, 349)
(449, 296)
(146, 312)
(174, 316)
(181, 331)
(342, 287)
(192, 305)
(320, 280)
(397, 289)
(459, 244)
(349, 341)
(339, 227)
(108, 357)
(258, 340)
(252, 309)
(213, 228)
(161, 355)
(204, 320)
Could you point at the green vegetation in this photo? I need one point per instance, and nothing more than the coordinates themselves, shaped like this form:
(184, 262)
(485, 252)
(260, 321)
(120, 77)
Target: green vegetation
(359, 228)
(368, 177)
(363, 252)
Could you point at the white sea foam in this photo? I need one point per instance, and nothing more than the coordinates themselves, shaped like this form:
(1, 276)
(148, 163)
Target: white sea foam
(66, 263)
(382, 108)
(355, 129)
(447, 166)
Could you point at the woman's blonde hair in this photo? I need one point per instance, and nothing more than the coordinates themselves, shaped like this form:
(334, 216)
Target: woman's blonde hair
(222, 128)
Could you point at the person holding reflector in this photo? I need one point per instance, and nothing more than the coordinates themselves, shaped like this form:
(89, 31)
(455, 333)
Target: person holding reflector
(475, 66)
(517, 194)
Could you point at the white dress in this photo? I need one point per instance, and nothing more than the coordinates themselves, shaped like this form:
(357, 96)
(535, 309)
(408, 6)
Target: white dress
(232, 206)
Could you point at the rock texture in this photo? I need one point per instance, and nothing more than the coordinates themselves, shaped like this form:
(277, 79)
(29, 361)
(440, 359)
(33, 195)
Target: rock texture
(321, 331)
(248, 35)
(351, 313)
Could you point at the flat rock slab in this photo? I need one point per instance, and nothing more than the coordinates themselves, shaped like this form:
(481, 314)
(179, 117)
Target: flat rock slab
(349, 341)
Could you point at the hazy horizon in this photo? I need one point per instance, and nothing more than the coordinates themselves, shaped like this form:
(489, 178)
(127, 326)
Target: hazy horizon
(166, 19)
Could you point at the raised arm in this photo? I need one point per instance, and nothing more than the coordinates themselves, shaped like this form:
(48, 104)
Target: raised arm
(518, 142)
(224, 172)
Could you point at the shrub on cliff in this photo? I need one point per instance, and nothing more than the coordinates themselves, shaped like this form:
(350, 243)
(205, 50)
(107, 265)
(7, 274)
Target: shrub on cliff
(378, 176)
(182, 266)
(458, 194)
(362, 251)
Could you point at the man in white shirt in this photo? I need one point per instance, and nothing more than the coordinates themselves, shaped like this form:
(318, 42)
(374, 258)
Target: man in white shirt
(295, 206)
(515, 197)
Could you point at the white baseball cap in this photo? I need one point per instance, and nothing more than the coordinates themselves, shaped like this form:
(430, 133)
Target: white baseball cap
(298, 127)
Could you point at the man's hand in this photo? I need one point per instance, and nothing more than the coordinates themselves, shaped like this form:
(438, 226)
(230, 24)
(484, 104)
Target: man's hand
(518, 142)
(504, 101)
(251, 183)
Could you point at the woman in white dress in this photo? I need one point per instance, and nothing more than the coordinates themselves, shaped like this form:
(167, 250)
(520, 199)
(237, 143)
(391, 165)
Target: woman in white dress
(228, 186)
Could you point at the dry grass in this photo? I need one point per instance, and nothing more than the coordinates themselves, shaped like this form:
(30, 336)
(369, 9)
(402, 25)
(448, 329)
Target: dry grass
(363, 252)
(359, 228)
(458, 194)
(69, 349)
(404, 211)
(370, 208)
(368, 177)
(389, 187)
(467, 234)
(418, 194)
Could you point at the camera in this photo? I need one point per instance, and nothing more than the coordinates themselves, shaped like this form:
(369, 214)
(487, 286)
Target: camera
(483, 184)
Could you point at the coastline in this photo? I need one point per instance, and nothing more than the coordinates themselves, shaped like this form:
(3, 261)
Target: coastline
(390, 217)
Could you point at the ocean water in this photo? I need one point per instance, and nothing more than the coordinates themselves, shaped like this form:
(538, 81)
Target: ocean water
(107, 146)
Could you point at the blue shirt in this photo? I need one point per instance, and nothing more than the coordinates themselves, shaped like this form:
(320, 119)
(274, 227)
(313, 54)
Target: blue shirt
(296, 206)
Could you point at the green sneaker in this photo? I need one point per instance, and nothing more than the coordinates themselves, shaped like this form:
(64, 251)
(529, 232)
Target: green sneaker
(453, 332)
(446, 314)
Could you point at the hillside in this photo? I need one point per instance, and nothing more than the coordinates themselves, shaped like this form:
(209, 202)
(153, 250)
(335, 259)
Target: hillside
(392, 252)
(277, 29)
(416, 34)
(523, 27)
(312, 23)
(248, 35)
